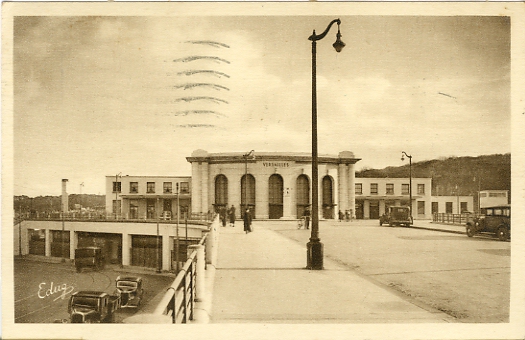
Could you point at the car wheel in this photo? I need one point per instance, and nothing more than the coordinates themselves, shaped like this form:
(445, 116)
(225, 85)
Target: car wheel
(503, 234)
(470, 231)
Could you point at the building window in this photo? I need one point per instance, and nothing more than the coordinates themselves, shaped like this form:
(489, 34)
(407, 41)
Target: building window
(405, 189)
(373, 188)
(117, 186)
(150, 187)
(167, 187)
(421, 189)
(116, 206)
(184, 187)
(359, 188)
(448, 207)
(390, 188)
(133, 187)
(464, 207)
(483, 194)
(435, 208)
(150, 208)
(421, 207)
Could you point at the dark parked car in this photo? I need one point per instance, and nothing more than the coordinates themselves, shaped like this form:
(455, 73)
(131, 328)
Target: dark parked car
(493, 220)
(93, 307)
(395, 216)
(130, 290)
(89, 257)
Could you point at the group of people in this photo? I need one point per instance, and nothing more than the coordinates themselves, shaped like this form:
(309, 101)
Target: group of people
(229, 215)
(348, 215)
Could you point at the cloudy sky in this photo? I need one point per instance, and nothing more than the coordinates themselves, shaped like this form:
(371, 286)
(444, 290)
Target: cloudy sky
(96, 96)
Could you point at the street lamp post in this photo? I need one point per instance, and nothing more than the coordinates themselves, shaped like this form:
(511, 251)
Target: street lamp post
(245, 191)
(315, 247)
(410, 178)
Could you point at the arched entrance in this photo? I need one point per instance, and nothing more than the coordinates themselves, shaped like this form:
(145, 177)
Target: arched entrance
(303, 194)
(328, 197)
(221, 192)
(275, 196)
(248, 194)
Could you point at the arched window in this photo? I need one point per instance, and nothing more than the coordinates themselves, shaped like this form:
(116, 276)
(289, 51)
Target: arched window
(303, 194)
(221, 191)
(328, 197)
(248, 193)
(275, 196)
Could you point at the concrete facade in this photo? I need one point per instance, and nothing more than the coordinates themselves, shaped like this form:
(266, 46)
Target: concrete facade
(137, 199)
(452, 204)
(373, 195)
(491, 198)
(273, 185)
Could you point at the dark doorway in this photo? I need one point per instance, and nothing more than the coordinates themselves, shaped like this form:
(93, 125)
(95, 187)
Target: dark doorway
(303, 194)
(275, 196)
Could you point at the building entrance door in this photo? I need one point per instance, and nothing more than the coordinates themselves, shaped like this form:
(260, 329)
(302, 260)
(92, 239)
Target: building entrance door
(275, 197)
(374, 210)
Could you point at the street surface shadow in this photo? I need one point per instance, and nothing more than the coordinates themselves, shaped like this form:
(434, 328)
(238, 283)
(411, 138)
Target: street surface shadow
(500, 252)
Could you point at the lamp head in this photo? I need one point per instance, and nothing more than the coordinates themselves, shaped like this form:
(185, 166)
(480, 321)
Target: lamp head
(339, 44)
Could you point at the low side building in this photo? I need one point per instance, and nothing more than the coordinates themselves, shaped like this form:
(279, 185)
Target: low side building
(374, 195)
(452, 204)
(491, 198)
(147, 197)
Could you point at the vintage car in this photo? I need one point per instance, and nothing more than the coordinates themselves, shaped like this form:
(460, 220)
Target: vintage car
(130, 290)
(493, 220)
(396, 216)
(93, 307)
(91, 257)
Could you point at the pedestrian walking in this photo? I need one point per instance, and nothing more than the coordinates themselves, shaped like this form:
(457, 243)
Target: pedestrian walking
(247, 221)
(222, 214)
(306, 215)
(347, 216)
(341, 216)
(231, 216)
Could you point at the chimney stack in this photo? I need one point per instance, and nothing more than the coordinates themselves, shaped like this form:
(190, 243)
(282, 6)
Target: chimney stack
(65, 201)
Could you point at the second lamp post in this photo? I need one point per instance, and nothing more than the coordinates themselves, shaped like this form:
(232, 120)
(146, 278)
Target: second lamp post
(403, 153)
(315, 247)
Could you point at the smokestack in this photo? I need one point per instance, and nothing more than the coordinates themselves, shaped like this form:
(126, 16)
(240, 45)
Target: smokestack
(65, 201)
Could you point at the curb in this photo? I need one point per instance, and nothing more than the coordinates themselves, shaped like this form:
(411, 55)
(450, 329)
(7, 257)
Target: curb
(438, 229)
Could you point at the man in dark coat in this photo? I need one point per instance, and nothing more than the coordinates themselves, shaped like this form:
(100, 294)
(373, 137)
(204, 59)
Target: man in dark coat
(231, 216)
(306, 215)
(247, 221)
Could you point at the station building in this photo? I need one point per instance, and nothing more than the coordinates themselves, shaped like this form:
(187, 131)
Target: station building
(273, 185)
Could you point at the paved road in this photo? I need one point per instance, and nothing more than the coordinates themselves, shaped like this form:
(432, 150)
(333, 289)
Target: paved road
(42, 290)
(467, 278)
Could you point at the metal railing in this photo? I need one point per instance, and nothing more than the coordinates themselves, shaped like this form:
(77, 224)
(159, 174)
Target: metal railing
(107, 217)
(449, 218)
(179, 301)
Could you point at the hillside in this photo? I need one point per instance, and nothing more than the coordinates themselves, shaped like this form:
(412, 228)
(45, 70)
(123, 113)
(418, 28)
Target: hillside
(469, 174)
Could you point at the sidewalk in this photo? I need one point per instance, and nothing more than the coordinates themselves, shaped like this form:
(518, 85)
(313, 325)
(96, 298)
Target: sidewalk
(260, 278)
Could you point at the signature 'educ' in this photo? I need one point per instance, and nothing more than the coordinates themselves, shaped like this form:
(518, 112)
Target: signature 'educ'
(45, 290)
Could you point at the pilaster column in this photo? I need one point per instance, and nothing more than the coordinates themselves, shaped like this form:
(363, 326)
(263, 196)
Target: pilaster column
(343, 188)
(47, 236)
(205, 185)
(126, 248)
(196, 193)
(166, 253)
(73, 243)
(351, 187)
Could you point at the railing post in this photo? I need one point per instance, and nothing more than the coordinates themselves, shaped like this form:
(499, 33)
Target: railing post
(200, 272)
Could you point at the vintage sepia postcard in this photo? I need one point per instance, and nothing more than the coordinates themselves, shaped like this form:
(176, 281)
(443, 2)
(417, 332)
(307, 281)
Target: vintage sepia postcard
(263, 170)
